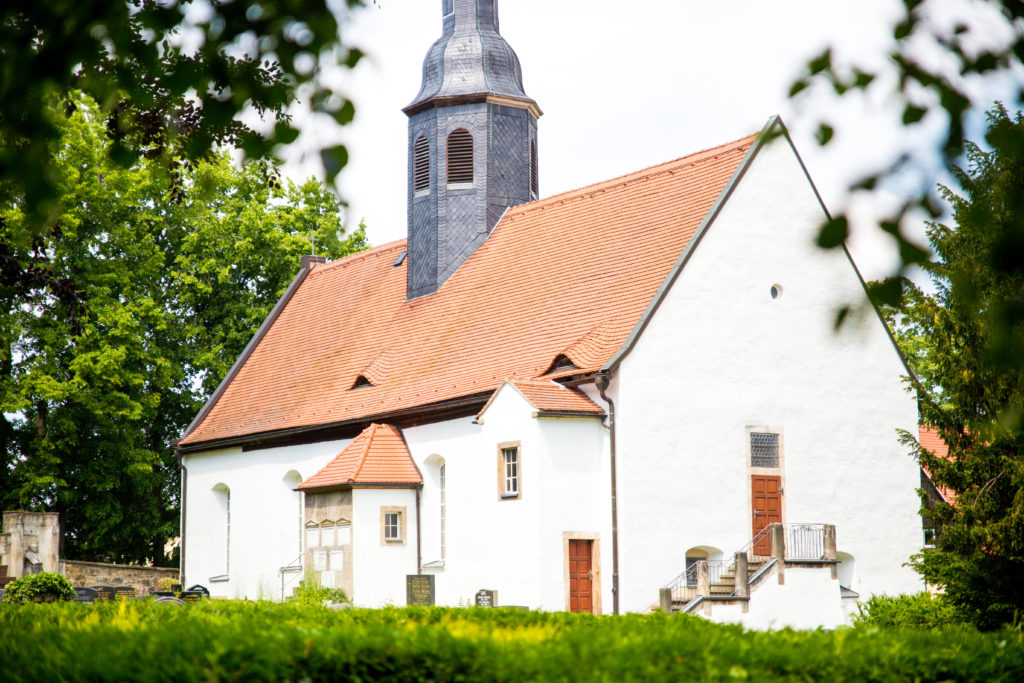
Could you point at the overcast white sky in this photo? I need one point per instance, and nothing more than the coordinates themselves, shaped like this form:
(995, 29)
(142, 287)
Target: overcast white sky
(624, 85)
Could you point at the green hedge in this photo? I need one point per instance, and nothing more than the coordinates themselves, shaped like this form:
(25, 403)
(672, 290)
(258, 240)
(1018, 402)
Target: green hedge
(269, 642)
(921, 611)
(41, 587)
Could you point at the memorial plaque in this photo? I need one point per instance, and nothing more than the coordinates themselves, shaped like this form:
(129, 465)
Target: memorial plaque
(104, 593)
(191, 596)
(419, 590)
(486, 598)
(124, 592)
(86, 595)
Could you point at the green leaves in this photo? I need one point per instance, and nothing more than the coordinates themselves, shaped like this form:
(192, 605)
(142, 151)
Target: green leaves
(964, 340)
(119, 320)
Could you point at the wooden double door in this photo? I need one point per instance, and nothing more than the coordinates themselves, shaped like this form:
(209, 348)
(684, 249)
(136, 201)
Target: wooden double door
(767, 509)
(581, 575)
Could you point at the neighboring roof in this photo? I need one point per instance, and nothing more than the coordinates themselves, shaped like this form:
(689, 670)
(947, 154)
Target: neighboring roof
(571, 274)
(931, 440)
(549, 398)
(378, 455)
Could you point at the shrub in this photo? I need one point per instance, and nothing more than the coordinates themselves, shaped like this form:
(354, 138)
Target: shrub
(919, 612)
(42, 587)
(310, 592)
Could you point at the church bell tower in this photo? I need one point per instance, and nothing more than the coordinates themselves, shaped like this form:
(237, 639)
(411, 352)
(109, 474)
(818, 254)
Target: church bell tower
(472, 143)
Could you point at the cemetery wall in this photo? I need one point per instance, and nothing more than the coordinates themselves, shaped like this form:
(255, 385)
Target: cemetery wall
(143, 579)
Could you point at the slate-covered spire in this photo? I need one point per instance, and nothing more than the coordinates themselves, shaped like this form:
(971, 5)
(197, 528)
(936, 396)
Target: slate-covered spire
(472, 143)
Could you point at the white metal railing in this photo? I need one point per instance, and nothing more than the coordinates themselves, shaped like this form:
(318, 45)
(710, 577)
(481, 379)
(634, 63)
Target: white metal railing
(805, 541)
(292, 570)
(687, 585)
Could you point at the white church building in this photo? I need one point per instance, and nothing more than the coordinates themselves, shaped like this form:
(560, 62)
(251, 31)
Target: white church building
(622, 397)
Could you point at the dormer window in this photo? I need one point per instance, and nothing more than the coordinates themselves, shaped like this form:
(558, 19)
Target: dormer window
(421, 167)
(562, 363)
(362, 382)
(460, 159)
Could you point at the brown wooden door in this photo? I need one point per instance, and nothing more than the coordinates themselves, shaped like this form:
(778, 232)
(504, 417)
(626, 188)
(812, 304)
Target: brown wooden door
(581, 576)
(767, 508)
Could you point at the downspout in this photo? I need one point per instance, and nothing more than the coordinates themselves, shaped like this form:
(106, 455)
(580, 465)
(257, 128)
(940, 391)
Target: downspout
(602, 380)
(181, 530)
(419, 546)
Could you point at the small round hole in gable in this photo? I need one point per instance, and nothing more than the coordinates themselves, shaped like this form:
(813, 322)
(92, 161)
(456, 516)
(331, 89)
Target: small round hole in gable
(776, 291)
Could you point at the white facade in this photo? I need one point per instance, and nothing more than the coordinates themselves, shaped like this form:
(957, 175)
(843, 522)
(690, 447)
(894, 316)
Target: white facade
(717, 357)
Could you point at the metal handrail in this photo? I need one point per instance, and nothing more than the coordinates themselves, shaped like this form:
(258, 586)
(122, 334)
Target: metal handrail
(805, 541)
(294, 568)
(749, 547)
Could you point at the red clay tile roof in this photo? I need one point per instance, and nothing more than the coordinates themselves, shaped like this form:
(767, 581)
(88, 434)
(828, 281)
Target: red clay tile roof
(571, 274)
(550, 397)
(378, 455)
(930, 439)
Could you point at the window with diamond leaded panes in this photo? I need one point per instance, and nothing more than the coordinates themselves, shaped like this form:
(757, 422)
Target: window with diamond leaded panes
(764, 449)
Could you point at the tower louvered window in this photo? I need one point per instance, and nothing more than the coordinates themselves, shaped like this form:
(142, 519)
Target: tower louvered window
(421, 166)
(460, 157)
(534, 185)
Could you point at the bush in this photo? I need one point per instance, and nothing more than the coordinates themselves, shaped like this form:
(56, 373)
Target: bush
(919, 612)
(310, 592)
(264, 641)
(42, 587)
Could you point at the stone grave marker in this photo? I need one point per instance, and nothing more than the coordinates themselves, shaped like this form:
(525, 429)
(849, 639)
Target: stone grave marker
(419, 590)
(191, 596)
(86, 594)
(124, 592)
(202, 589)
(486, 598)
(104, 593)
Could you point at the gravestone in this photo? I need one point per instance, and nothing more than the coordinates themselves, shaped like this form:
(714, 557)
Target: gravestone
(486, 598)
(419, 590)
(85, 594)
(191, 596)
(176, 588)
(104, 593)
(169, 599)
(124, 592)
(201, 589)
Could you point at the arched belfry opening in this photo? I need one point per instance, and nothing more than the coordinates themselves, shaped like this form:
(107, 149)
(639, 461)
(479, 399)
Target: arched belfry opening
(472, 143)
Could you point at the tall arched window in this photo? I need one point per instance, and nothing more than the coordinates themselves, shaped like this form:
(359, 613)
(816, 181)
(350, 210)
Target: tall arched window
(291, 482)
(534, 183)
(460, 158)
(421, 167)
(222, 527)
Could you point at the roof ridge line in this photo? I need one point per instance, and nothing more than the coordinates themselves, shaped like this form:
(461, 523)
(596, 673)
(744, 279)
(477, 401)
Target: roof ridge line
(352, 258)
(640, 174)
(366, 450)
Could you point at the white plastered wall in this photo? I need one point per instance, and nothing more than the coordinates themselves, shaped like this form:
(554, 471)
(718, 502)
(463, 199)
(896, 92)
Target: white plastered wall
(265, 516)
(721, 355)
(512, 546)
(380, 568)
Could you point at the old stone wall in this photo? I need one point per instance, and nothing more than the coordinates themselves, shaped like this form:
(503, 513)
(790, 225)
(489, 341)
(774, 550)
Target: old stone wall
(144, 579)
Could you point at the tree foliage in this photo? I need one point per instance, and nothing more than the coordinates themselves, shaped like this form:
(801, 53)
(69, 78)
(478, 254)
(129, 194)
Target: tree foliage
(940, 53)
(970, 380)
(126, 314)
(171, 79)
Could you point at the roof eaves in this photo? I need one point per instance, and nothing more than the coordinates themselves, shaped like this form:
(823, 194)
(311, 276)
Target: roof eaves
(691, 246)
(570, 413)
(249, 348)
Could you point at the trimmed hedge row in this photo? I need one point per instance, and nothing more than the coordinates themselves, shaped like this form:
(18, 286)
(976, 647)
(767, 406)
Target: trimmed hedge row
(272, 642)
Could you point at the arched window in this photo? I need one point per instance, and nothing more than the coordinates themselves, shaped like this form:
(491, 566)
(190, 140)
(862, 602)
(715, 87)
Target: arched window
(291, 481)
(534, 183)
(421, 167)
(222, 527)
(460, 158)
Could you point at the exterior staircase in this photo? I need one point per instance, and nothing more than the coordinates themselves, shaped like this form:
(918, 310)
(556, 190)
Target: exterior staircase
(725, 586)
(717, 581)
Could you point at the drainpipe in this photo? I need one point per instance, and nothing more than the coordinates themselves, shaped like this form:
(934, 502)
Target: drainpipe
(181, 531)
(419, 546)
(602, 380)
